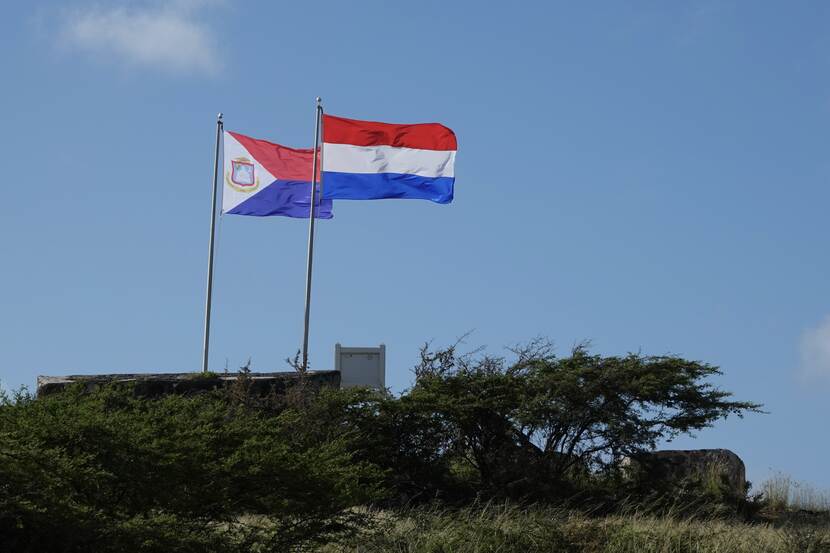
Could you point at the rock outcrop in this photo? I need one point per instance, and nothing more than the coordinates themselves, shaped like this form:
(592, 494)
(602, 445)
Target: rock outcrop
(675, 465)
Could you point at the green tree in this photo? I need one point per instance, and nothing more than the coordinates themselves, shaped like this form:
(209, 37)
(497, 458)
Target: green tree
(532, 424)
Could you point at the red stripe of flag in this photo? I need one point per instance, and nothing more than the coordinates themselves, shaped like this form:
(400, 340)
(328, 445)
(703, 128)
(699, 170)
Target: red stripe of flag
(422, 136)
(281, 161)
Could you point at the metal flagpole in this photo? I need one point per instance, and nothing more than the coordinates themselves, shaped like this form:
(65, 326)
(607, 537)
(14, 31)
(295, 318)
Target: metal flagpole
(219, 126)
(311, 217)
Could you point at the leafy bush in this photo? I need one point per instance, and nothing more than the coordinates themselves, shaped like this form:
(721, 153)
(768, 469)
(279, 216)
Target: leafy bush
(106, 471)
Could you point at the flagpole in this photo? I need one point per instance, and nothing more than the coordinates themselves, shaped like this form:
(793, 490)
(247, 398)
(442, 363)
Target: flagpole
(219, 126)
(311, 218)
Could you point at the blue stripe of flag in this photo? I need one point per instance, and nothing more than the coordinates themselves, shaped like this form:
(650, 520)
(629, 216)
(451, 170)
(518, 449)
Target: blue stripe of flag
(286, 198)
(375, 186)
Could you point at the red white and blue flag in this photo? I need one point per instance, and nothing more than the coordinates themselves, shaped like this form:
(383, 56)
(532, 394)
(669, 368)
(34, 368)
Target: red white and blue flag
(366, 160)
(262, 178)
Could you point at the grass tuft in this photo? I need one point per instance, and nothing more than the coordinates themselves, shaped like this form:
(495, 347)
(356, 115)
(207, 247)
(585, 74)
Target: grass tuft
(506, 528)
(783, 493)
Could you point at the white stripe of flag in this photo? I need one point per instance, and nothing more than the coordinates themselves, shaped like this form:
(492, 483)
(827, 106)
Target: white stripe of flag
(347, 158)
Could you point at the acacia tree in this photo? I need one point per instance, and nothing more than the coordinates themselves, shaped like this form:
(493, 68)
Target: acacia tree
(537, 418)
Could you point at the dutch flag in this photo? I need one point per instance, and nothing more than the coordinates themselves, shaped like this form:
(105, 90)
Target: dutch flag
(366, 160)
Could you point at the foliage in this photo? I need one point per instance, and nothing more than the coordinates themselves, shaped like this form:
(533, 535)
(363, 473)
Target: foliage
(110, 472)
(245, 469)
(202, 375)
(536, 425)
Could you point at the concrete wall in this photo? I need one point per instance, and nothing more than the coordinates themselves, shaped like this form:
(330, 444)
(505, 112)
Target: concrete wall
(158, 384)
(361, 366)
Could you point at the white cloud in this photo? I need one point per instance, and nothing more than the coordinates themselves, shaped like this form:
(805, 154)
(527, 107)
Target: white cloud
(170, 37)
(815, 351)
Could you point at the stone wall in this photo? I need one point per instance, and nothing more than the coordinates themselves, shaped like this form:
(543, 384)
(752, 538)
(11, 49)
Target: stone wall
(159, 384)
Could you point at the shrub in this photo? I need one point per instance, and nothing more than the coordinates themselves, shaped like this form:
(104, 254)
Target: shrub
(106, 471)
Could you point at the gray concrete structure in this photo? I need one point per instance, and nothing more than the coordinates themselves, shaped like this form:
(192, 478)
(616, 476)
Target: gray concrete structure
(361, 366)
(354, 366)
(159, 384)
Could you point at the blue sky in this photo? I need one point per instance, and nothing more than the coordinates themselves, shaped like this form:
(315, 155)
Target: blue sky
(649, 176)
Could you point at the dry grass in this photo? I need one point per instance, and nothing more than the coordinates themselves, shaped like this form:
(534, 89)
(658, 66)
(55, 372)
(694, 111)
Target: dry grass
(783, 493)
(510, 529)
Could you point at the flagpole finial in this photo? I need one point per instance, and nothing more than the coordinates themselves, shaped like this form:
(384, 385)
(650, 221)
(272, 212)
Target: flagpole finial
(219, 116)
(319, 100)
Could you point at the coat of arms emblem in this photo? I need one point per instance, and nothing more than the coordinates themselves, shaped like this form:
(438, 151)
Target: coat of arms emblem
(242, 176)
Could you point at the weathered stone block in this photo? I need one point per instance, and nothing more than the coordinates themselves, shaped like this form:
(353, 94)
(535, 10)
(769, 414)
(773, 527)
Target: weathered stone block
(675, 465)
